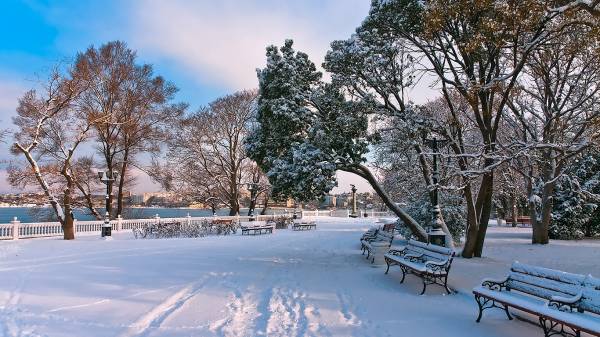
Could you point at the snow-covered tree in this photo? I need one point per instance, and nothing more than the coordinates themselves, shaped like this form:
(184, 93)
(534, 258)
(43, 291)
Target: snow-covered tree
(556, 111)
(50, 133)
(308, 129)
(478, 50)
(575, 212)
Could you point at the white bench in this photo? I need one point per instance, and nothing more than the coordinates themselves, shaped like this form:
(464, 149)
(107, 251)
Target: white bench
(376, 243)
(256, 228)
(300, 225)
(559, 299)
(430, 262)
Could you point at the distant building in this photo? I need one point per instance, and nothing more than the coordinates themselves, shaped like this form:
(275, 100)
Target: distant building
(329, 201)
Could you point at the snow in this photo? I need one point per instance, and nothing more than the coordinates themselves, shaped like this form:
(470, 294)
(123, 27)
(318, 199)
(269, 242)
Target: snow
(290, 283)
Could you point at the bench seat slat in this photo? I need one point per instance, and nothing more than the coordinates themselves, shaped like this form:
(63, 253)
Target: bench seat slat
(551, 274)
(542, 287)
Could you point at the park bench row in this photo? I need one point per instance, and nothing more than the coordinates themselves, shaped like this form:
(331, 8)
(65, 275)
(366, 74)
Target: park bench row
(262, 227)
(429, 262)
(564, 303)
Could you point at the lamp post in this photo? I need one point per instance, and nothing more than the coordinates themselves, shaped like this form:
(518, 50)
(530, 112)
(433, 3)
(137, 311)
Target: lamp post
(107, 177)
(436, 235)
(253, 188)
(354, 213)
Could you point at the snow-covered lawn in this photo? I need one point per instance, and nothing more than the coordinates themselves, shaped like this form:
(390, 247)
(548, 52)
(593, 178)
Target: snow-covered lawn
(312, 283)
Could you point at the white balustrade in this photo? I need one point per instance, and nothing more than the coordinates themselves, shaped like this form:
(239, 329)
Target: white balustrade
(16, 230)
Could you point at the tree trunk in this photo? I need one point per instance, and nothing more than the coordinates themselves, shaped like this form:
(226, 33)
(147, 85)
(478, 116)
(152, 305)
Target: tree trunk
(484, 209)
(365, 173)
(266, 204)
(124, 168)
(38, 176)
(472, 223)
(68, 225)
(234, 206)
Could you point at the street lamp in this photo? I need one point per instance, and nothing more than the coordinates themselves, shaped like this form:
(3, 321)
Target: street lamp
(107, 177)
(436, 235)
(253, 188)
(354, 214)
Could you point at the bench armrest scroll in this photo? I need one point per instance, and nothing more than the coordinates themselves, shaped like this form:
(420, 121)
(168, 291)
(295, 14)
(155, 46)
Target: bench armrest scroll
(495, 284)
(413, 257)
(562, 303)
(397, 252)
(436, 266)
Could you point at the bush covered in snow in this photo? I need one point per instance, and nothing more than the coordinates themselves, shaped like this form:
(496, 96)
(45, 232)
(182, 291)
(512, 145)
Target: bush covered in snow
(421, 210)
(576, 213)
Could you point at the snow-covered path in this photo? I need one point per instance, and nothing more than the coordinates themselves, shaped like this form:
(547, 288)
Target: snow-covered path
(312, 283)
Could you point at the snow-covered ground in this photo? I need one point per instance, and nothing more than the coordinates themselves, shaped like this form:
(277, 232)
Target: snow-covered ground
(312, 283)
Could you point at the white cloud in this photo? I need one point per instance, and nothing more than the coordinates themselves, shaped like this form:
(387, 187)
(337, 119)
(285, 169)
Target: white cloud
(224, 42)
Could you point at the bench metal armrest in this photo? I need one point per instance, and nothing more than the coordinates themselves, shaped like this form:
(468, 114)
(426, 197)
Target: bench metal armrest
(397, 252)
(495, 284)
(436, 266)
(562, 303)
(414, 257)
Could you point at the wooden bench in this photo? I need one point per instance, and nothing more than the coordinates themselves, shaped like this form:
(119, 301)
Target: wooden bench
(560, 300)
(256, 228)
(301, 225)
(378, 242)
(430, 262)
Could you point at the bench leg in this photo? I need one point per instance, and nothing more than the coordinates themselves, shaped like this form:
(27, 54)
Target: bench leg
(486, 303)
(448, 289)
(424, 286)
(478, 299)
(388, 266)
(550, 328)
(507, 313)
(403, 274)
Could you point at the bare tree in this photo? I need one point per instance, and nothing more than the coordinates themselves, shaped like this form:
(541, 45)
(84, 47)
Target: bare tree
(50, 131)
(129, 104)
(206, 150)
(555, 114)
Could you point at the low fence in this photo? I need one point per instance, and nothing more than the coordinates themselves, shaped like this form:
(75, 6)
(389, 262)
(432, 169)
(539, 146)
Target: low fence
(344, 213)
(17, 230)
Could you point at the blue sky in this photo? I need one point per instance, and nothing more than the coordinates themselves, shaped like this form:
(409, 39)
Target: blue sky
(207, 48)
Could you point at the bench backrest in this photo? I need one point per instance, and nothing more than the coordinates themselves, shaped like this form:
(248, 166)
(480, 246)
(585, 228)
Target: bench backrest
(254, 223)
(590, 300)
(543, 282)
(385, 236)
(431, 252)
(389, 227)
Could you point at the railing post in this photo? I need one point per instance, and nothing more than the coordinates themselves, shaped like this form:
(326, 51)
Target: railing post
(189, 219)
(16, 223)
(119, 222)
(74, 226)
(157, 218)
